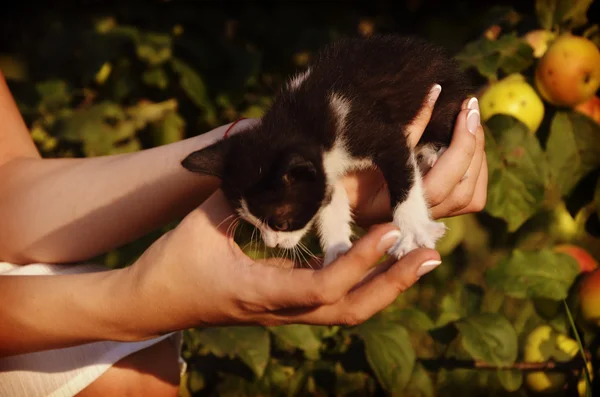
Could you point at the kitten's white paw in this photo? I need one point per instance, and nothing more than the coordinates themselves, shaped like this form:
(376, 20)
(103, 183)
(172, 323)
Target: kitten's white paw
(335, 250)
(419, 235)
(427, 156)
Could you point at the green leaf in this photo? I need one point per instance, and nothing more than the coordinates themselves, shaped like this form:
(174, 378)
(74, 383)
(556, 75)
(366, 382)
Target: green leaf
(412, 318)
(168, 130)
(155, 77)
(518, 171)
(352, 383)
(106, 128)
(299, 336)
(466, 382)
(567, 13)
(389, 353)
(573, 148)
(509, 53)
(454, 235)
(250, 344)
(195, 381)
(253, 112)
(534, 274)
(489, 337)
(463, 300)
(420, 384)
(153, 48)
(510, 379)
(492, 300)
(194, 87)
(235, 386)
(55, 94)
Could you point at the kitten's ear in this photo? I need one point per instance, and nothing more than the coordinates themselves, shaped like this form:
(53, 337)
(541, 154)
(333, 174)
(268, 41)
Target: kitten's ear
(297, 168)
(209, 160)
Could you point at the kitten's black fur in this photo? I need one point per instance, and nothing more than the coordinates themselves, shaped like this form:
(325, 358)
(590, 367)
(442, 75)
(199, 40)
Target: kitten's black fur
(277, 166)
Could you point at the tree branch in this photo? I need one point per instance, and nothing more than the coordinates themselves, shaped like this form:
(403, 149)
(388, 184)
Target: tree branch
(576, 364)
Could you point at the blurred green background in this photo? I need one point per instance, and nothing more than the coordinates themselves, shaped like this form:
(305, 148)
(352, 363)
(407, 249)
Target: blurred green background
(97, 78)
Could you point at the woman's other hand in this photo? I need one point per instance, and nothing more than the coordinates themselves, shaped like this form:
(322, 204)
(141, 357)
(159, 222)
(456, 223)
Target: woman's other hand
(456, 185)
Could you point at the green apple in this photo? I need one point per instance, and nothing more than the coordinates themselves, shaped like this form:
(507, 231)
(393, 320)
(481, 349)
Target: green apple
(569, 72)
(513, 96)
(542, 344)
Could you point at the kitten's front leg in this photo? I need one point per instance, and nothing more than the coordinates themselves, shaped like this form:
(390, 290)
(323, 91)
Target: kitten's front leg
(411, 213)
(334, 225)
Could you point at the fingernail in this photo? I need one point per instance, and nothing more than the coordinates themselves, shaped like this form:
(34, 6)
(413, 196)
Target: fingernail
(434, 93)
(427, 267)
(388, 240)
(473, 104)
(473, 121)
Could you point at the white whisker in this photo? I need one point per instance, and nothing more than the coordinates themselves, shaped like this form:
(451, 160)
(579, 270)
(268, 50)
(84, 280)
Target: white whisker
(225, 220)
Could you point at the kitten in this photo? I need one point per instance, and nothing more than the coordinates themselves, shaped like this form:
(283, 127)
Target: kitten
(347, 111)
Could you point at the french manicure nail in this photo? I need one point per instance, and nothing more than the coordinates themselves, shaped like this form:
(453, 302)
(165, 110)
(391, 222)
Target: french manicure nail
(427, 267)
(388, 240)
(473, 104)
(434, 93)
(472, 121)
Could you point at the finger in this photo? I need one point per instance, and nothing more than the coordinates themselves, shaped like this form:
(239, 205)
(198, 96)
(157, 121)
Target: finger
(479, 199)
(415, 130)
(274, 289)
(468, 103)
(241, 125)
(373, 296)
(374, 272)
(384, 289)
(453, 164)
(462, 194)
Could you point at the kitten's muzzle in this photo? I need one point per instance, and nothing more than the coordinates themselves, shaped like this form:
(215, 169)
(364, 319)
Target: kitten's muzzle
(284, 240)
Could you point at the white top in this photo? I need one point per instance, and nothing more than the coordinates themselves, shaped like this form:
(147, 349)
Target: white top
(63, 372)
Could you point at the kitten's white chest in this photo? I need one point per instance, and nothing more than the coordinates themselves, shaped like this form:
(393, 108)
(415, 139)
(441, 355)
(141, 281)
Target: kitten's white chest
(338, 161)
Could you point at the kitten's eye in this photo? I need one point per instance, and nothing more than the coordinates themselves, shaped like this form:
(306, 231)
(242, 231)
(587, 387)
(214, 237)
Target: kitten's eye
(281, 226)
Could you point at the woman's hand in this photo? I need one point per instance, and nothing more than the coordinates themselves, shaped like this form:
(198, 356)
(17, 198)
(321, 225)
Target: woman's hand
(456, 185)
(196, 275)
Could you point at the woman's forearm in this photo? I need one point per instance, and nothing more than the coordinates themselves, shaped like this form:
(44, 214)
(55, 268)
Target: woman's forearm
(67, 210)
(50, 312)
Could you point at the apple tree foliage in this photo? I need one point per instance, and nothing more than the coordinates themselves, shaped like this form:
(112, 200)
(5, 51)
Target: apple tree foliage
(104, 86)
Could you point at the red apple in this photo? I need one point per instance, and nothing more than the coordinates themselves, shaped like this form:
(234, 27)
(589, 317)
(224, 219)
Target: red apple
(590, 108)
(586, 262)
(589, 298)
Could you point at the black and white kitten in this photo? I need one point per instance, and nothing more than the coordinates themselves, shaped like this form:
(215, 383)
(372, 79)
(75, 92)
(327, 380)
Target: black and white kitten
(348, 110)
